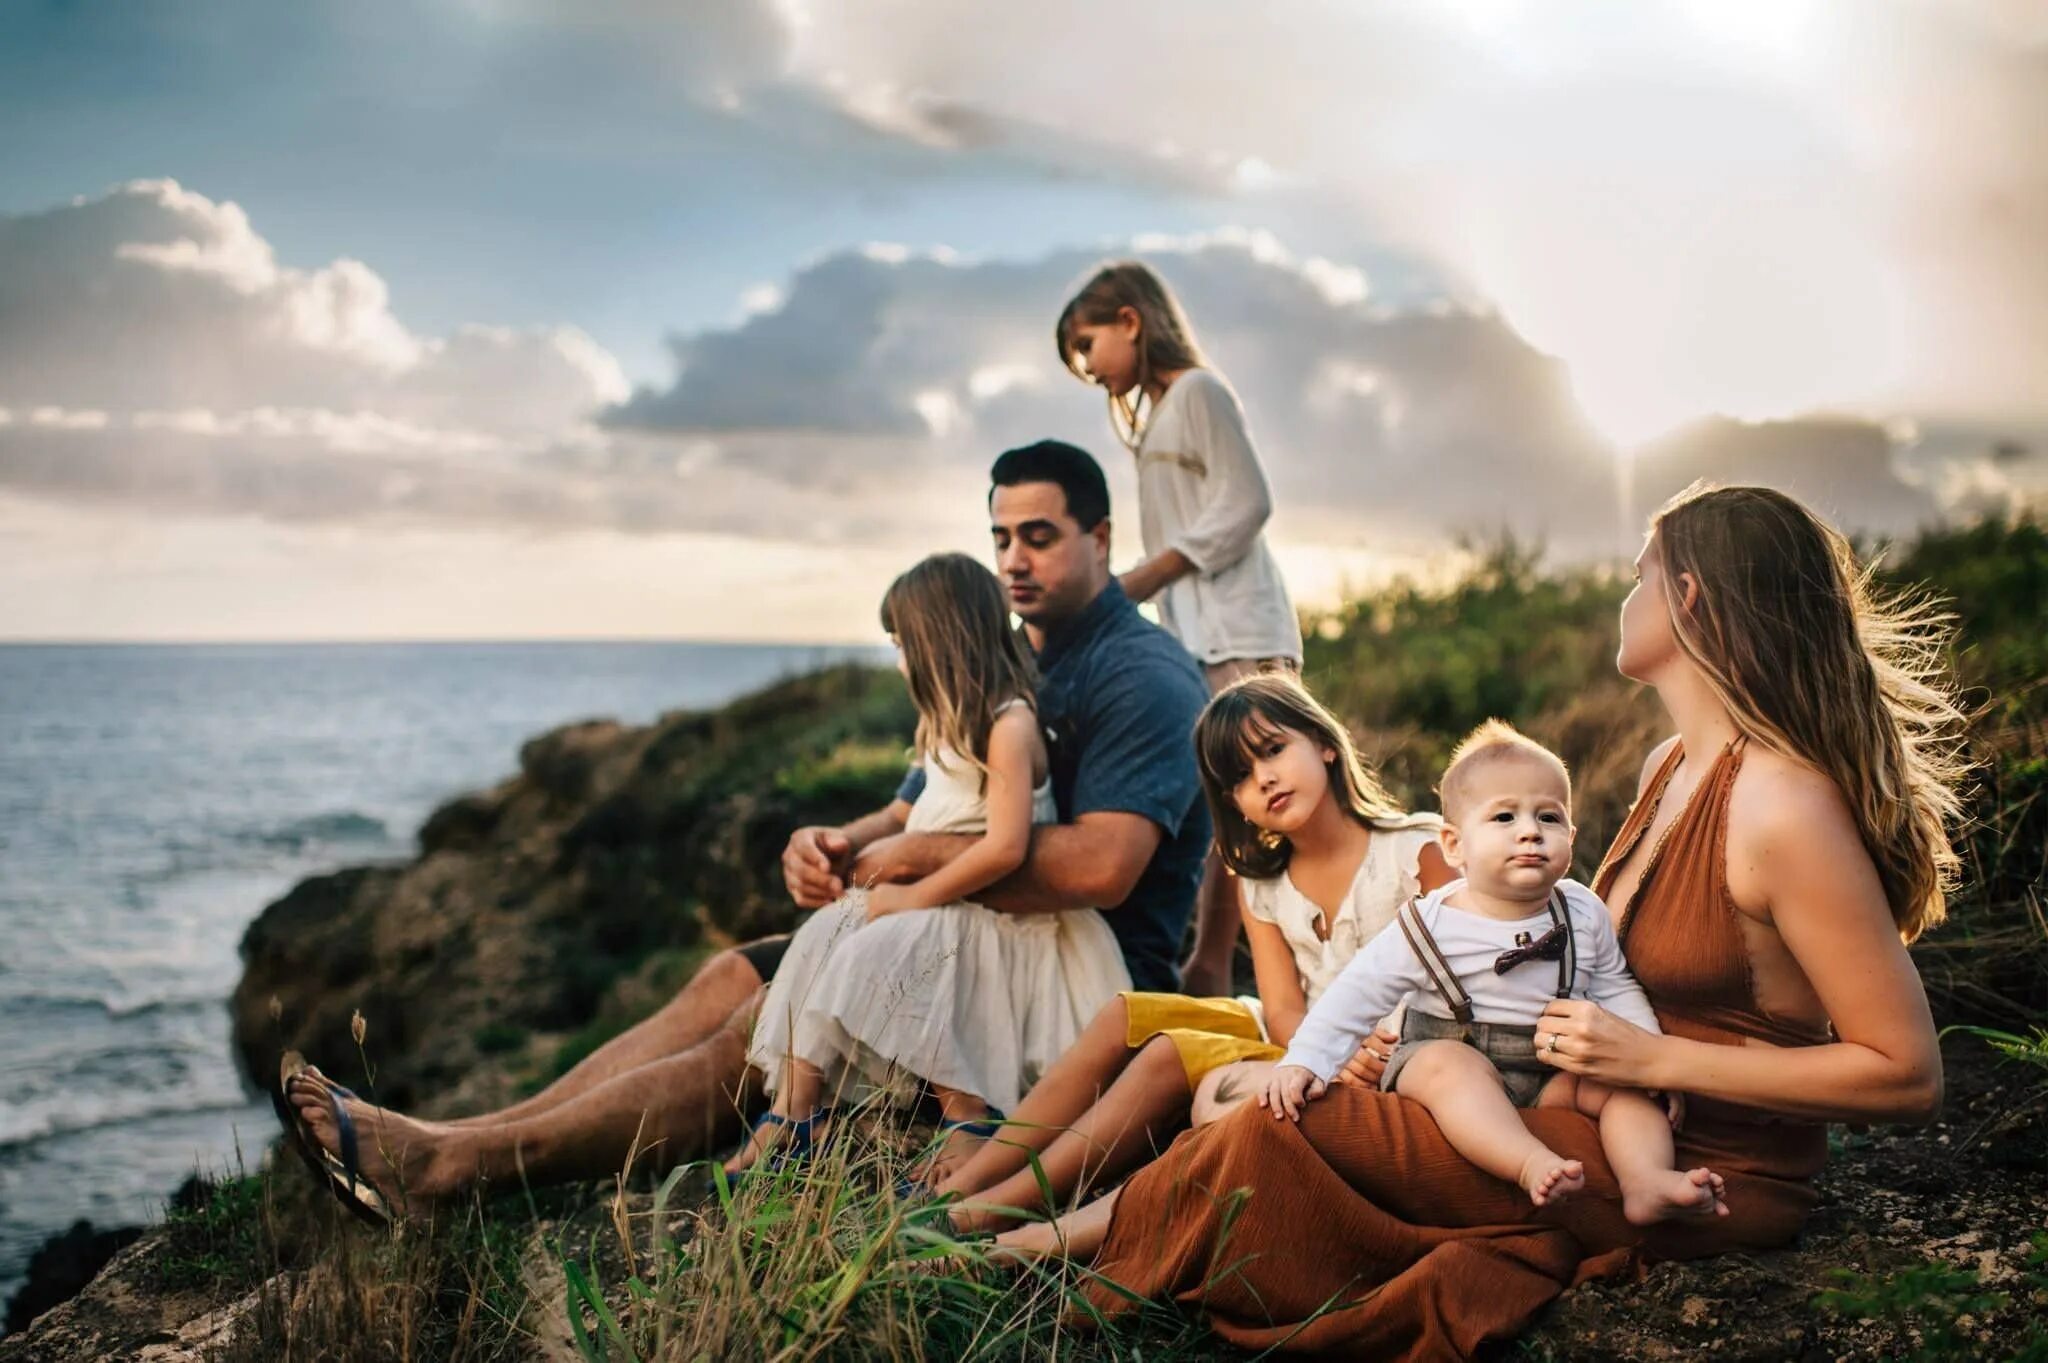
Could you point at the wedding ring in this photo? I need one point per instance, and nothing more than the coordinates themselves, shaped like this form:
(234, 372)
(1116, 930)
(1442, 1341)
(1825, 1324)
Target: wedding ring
(1550, 1042)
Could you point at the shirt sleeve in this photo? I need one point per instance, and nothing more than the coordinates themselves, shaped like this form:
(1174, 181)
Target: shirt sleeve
(1236, 501)
(1603, 971)
(1365, 991)
(1256, 895)
(1139, 755)
(912, 787)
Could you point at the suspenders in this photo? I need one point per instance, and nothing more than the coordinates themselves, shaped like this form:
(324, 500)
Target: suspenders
(1445, 979)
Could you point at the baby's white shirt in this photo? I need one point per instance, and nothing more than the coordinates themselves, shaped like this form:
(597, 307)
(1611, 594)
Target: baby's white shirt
(1386, 970)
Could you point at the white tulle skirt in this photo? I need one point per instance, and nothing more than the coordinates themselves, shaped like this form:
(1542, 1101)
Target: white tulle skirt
(961, 997)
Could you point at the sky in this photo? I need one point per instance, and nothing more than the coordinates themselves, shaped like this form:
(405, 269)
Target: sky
(519, 319)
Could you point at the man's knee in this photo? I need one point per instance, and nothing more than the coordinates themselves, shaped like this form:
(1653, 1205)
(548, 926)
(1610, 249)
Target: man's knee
(729, 968)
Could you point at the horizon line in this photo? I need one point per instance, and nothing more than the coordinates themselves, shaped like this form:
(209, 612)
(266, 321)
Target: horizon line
(361, 641)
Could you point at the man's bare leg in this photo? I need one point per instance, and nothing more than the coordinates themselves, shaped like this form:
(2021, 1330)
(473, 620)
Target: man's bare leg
(723, 984)
(673, 1109)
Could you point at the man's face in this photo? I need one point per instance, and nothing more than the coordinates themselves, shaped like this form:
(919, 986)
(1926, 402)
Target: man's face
(1050, 567)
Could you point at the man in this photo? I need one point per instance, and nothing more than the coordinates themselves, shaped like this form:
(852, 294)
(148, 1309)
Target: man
(1119, 699)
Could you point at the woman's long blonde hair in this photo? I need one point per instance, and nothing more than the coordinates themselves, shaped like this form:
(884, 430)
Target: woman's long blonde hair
(1244, 717)
(1166, 342)
(1813, 661)
(963, 659)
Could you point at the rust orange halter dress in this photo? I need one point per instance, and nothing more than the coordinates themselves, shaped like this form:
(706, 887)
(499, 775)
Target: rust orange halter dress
(1360, 1232)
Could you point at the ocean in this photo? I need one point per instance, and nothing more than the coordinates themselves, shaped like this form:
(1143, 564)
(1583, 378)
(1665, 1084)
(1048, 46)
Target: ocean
(153, 798)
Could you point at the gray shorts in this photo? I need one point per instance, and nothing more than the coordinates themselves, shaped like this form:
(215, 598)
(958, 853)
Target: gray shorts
(1511, 1048)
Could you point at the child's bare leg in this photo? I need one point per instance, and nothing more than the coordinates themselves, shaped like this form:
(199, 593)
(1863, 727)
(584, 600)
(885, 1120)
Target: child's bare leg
(1151, 1093)
(1069, 1088)
(1078, 1235)
(956, 1106)
(1227, 1087)
(798, 1098)
(1462, 1091)
(1636, 1135)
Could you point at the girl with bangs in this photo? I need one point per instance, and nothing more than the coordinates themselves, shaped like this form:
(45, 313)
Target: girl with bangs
(1324, 860)
(901, 987)
(1786, 845)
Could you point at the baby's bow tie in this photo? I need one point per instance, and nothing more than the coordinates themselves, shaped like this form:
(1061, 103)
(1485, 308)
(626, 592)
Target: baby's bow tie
(1548, 947)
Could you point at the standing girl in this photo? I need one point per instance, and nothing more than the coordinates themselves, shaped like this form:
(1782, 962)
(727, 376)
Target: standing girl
(1202, 507)
(1326, 859)
(901, 983)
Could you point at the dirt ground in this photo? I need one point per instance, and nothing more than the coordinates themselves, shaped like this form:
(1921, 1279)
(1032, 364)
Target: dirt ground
(1969, 1191)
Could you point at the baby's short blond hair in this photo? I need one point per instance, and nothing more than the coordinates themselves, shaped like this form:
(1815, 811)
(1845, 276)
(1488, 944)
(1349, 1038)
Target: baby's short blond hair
(1485, 745)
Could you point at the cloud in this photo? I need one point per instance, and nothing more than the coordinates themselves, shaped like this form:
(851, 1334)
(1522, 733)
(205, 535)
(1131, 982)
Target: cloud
(1746, 208)
(1383, 428)
(155, 353)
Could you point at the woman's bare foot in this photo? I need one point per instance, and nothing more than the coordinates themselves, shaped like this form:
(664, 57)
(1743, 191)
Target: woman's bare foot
(1673, 1193)
(1549, 1178)
(405, 1160)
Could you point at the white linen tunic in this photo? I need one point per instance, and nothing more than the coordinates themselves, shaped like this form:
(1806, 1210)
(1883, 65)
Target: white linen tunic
(1201, 491)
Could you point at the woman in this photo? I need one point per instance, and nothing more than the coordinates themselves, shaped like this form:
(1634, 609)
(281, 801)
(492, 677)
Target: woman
(1785, 846)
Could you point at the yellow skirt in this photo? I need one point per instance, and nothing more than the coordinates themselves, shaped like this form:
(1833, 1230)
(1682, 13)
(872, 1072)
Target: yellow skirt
(1207, 1033)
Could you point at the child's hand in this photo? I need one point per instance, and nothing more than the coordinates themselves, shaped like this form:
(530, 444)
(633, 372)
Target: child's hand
(1290, 1088)
(884, 900)
(1674, 1108)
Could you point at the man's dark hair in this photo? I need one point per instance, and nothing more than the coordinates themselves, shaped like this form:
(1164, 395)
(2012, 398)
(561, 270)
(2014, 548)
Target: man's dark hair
(1055, 461)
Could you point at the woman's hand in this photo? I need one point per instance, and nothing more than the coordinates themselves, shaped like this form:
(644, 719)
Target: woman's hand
(1365, 1068)
(1581, 1037)
(1289, 1089)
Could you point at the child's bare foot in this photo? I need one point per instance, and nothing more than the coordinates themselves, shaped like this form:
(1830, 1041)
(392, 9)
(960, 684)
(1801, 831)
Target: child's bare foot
(1548, 1178)
(1671, 1193)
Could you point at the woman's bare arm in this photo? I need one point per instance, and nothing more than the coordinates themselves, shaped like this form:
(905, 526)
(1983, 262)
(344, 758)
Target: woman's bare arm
(1794, 853)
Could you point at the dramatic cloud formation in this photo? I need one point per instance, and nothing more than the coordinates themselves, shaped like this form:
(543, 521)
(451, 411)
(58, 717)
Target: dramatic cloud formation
(1700, 204)
(154, 353)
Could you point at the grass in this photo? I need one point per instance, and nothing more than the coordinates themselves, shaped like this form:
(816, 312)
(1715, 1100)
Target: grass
(831, 1266)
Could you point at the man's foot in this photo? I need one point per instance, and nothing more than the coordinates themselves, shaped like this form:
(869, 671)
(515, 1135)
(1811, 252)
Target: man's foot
(398, 1156)
(1549, 1178)
(1673, 1193)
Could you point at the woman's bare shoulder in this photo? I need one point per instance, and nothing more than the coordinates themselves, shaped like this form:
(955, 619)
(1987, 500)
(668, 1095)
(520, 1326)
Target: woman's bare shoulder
(1654, 761)
(1786, 812)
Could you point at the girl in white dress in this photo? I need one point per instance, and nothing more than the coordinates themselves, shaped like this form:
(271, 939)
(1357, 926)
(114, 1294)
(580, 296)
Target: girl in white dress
(1203, 504)
(1326, 859)
(898, 986)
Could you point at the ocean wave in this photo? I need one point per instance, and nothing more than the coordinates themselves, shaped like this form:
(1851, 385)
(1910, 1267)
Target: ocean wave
(337, 826)
(70, 1113)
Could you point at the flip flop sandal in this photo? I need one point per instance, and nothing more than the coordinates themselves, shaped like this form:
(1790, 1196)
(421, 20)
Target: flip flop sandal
(342, 1175)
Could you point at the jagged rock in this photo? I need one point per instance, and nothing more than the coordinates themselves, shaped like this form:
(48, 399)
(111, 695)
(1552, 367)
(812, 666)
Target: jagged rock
(65, 1264)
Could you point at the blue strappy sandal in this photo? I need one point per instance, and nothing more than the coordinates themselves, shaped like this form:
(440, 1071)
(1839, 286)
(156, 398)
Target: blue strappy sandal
(799, 1142)
(982, 1128)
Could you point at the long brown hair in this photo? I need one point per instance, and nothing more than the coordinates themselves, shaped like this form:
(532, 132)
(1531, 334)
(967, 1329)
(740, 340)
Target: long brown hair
(964, 661)
(1814, 662)
(1165, 340)
(1244, 717)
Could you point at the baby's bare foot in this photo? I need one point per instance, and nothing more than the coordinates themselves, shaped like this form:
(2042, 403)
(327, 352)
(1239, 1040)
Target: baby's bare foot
(1551, 1178)
(1671, 1193)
